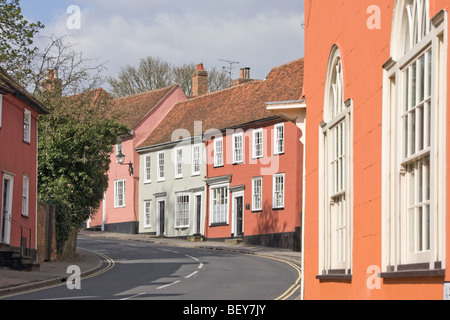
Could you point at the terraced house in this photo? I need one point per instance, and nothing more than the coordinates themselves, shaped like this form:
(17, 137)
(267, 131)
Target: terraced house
(222, 166)
(19, 112)
(376, 87)
(141, 113)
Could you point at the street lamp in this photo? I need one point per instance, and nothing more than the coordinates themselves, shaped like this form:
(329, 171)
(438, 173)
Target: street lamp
(121, 159)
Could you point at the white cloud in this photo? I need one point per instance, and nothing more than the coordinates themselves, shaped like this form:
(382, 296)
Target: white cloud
(258, 34)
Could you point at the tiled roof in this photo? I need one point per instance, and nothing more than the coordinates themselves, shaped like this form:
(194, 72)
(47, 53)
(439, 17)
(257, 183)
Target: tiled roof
(241, 104)
(131, 109)
(9, 85)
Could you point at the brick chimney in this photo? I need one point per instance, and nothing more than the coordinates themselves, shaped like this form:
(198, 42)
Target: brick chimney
(51, 82)
(199, 81)
(244, 77)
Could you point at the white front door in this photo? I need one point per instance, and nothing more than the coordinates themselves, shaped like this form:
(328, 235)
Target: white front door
(7, 197)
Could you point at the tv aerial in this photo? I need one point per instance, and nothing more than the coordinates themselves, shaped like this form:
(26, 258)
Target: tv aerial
(230, 71)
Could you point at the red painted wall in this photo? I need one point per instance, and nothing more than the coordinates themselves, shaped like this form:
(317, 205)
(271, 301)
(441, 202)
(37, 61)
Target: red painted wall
(19, 158)
(363, 53)
(267, 221)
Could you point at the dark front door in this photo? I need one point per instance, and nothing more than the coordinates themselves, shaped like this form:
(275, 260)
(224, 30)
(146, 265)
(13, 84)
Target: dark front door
(198, 212)
(162, 205)
(239, 217)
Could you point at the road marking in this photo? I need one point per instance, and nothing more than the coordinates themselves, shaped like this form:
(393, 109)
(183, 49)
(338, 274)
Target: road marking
(193, 258)
(200, 265)
(168, 285)
(191, 275)
(131, 297)
(168, 250)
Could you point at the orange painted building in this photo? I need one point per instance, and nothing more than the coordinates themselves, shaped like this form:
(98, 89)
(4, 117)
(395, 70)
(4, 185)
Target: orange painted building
(376, 203)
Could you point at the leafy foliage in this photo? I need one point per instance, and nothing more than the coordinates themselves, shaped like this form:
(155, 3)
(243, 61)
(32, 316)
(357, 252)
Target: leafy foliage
(16, 39)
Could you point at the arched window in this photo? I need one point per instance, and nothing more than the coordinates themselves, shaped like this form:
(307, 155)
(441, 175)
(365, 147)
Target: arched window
(414, 134)
(336, 178)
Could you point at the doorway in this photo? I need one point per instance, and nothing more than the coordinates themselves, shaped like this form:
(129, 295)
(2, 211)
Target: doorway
(198, 214)
(161, 205)
(7, 198)
(238, 209)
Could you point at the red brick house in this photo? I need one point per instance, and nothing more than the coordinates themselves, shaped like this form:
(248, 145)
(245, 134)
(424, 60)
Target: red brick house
(19, 112)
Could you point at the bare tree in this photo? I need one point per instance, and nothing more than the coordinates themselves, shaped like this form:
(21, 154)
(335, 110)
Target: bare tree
(155, 73)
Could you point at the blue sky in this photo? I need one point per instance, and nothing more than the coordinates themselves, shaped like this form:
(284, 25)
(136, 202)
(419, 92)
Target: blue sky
(260, 34)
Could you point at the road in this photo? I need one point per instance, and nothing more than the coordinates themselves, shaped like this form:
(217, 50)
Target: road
(148, 271)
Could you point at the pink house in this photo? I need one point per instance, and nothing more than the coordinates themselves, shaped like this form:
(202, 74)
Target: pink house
(142, 113)
(19, 113)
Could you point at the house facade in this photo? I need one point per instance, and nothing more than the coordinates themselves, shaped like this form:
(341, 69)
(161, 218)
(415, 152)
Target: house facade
(119, 211)
(376, 208)
(257, 195)
(172, 189)
(19, 113)
(254, 187)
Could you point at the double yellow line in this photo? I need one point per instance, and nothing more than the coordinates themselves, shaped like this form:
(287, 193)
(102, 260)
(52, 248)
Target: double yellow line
(110, 265)
(292, 289)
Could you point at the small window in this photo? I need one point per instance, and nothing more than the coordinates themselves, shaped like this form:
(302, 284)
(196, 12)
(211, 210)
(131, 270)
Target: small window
(1, 108)
(27, 126)
(238, 147)
(278, 191)
(218, 152)
(25, 195)
(147, 213)
(257, 194)
(147, 168)
(161, 166)
(179, 163)
(279, 138)
(196, 149)
(182, 211)
(119, 193)
(257, 143)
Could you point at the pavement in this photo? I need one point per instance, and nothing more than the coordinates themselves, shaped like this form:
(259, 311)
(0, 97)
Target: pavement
(55, 273)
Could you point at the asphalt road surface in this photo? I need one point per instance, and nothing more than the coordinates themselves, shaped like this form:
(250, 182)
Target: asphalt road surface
(147, 271)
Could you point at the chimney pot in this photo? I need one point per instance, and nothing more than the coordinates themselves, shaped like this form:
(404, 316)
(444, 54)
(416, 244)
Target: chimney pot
(199, 81)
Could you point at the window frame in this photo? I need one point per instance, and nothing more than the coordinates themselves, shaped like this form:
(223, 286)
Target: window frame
(275, 205)
(255, 207)
(255, 144)
(147, 168)
(194, 160)
(25, 195)
(223, 218)
(1, 109)
(186, 212)
(117, 194)
(161, 164)
(27, 126)
(218, 163)
(178, 153)
(396, 255)
(236, 160)
(277, 139)
(147, 213)
(336, 258)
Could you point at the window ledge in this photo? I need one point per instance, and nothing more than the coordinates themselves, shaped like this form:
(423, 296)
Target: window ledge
(414, 270)
(335, 275)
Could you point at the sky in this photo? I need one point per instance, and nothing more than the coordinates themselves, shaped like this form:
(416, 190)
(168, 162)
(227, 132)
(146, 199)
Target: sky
(260, 34)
